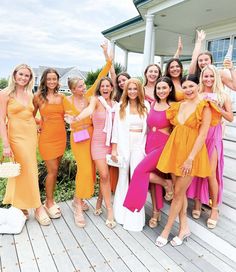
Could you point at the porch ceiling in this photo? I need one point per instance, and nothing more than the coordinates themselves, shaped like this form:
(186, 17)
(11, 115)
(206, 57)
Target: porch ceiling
(183, 19)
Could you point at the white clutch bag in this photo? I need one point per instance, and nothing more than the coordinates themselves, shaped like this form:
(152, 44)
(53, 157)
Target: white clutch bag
(119, 163)
(9, 169)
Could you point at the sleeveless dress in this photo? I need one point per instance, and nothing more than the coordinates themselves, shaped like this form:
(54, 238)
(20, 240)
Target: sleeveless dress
(182, 139)
(137, 193)
(52, 139)
(85, 176)
(23, 191)
(98, 143)
(199, 187)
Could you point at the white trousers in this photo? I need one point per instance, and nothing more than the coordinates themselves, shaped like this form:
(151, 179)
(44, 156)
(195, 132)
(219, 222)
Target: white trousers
(130, 221)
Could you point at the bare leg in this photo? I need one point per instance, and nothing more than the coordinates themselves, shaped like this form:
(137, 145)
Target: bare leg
(213, 186)
(177, 204)
(52, 169)
(105, 186)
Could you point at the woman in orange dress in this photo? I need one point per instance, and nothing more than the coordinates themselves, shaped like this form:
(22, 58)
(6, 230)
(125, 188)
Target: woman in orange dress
(185, 154)
(52, 139)
(85, 176)
(19, 137)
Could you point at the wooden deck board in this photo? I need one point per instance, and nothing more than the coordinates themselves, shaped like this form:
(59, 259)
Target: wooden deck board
(63, 246)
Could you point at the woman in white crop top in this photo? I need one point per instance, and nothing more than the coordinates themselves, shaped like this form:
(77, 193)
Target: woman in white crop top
(128, 141)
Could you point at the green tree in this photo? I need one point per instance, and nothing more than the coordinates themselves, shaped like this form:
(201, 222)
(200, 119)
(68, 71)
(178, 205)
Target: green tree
(91, 77)
(3, 83)
(118, 68)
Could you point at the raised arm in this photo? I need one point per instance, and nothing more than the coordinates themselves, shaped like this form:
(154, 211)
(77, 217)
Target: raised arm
(89, 110)
(202, 134)
(113, 75)
(201, 35)
(179, 48)
(228, 75)
(3, 127)
(104, 72)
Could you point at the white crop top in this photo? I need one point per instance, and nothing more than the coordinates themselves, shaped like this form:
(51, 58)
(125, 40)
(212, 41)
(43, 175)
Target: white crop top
(135, 121)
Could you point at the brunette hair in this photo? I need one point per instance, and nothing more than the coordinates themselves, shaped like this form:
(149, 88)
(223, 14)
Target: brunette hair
(142, 110)
(167, 70)
(42, 89)
(145, 72)
(171, 96)
(198, 70)
(97, 90)
(119, 91)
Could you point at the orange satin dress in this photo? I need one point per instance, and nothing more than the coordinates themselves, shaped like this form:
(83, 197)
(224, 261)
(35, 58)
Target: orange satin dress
(52, 138)
(23, 191)
(182, 139)
(86, 174)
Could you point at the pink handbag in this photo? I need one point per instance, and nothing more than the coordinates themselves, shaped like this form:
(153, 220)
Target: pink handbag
(80, 136)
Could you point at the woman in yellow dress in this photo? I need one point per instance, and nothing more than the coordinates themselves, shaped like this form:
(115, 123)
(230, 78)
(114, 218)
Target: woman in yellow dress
(81, 148)
(185, 154)
(19, 136)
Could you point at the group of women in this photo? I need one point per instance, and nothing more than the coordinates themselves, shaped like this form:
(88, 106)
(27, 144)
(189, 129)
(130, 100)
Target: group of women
(167, 133)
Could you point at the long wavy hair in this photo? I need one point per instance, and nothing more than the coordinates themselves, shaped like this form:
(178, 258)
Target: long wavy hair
(119, 91)
(217, 85)
(42, 89)
(171, 97)
(167, 70)
(11, 87)
(145, 72)
(141, 108)
(97, 90)
(198, 69)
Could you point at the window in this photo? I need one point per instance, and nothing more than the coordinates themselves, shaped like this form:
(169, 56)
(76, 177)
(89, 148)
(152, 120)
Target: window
(219, 48)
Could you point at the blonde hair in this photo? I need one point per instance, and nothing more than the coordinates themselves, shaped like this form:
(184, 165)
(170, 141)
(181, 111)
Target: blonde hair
(72, 82)
(142, 110)
(217, 85)
(11, 88)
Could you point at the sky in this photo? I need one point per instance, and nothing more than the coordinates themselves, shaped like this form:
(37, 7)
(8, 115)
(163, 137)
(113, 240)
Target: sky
(60, 33)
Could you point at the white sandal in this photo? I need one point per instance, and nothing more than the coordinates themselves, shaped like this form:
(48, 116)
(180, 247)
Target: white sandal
(161, 241)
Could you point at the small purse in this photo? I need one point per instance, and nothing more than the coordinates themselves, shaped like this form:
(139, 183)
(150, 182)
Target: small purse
(81, 135)
(9, 169)
(120, 163)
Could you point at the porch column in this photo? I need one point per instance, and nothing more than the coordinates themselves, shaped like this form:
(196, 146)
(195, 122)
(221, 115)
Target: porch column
(126, 59)
(113, 47)
(152, 57)
(148, 40)
(161, 62)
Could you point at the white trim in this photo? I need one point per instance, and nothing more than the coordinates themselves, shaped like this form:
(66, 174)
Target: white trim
(125, 34)
(164, 5)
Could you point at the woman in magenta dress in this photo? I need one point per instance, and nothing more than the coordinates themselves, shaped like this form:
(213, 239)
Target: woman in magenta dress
(202, 189)
(158, 134)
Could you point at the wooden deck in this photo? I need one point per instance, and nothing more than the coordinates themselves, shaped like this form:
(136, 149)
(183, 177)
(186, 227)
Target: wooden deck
(63, 246)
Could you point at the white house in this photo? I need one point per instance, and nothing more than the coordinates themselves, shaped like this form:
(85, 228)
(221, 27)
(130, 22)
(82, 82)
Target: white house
(64, 73)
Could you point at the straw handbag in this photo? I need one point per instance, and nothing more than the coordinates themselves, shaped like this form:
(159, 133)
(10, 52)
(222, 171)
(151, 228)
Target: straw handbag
(9, 169)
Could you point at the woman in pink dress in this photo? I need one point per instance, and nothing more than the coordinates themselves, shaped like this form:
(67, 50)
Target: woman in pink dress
(158, 134)
(202, 189)
(102, 109)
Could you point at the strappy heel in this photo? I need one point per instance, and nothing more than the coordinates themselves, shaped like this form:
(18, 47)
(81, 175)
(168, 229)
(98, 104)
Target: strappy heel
(169, 194)
(110, 223)
(176, 241)
(79, 218)
(156, 217)
(211, 223)
(161, 241)
(196, 214)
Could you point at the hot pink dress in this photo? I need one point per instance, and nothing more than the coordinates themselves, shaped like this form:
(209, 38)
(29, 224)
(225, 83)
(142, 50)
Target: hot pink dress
(199, 188)
(156, 140)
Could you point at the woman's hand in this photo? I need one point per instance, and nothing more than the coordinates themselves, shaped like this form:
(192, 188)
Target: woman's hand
(187, 167)
(7, 152)
(228, 64)
(69, 118)
(201, 35)
(114, 155)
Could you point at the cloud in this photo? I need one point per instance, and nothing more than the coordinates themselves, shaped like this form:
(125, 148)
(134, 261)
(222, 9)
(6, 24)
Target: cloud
(57, 33)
